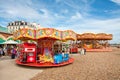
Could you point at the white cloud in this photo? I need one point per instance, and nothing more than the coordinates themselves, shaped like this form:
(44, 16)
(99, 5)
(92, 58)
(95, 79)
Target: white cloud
(57, 16)
(116, 1)
(25, 10)
(109, 26)
(94, 25)
(76, 16)
(18, 9)
(72, 4)
(79, 5)
(105, 24)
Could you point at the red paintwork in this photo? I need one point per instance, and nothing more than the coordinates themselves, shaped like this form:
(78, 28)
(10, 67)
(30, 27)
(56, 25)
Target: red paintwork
(27, 49)
(71, 60)
(73, 50)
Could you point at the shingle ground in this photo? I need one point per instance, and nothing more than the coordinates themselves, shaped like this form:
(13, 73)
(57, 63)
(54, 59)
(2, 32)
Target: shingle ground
(92, 66)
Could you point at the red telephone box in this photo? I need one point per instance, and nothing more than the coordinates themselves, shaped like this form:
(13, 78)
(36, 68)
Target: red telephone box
(29, 49)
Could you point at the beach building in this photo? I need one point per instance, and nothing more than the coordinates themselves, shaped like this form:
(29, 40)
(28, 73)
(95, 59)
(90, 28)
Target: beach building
(16, 25)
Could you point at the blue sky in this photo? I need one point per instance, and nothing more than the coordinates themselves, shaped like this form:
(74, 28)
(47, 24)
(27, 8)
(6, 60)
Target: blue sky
(81, 16)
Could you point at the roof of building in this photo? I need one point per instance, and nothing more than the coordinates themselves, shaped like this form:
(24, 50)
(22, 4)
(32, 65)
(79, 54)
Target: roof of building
(3, 29)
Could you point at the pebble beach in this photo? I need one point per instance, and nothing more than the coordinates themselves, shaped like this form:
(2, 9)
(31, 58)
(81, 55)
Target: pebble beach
(92, 66)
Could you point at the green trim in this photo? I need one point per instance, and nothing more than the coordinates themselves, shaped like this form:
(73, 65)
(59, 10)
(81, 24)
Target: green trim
(19, 41)
(2, 41)
(9, 39)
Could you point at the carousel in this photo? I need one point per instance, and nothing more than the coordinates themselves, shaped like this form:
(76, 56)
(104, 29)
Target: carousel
(37, 48)
(94, 42)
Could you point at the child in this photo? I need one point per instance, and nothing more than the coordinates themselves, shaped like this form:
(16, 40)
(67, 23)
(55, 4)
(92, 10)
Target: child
(63, 52)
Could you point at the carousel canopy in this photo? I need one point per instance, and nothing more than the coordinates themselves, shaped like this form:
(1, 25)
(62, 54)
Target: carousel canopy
(92, 36)
(86, 36)
(51, 33)
(103, 36)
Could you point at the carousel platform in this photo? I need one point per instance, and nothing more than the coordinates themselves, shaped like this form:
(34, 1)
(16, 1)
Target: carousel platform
(37, 64)
(99, 50)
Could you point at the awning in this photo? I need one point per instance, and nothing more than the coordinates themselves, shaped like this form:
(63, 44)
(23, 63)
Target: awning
(10, 42)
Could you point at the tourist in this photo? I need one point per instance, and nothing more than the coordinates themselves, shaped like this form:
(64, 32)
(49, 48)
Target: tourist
(83, 51)
(63, 53)
(13, 53)
(1, 52)
(5, 50)
(79, 50)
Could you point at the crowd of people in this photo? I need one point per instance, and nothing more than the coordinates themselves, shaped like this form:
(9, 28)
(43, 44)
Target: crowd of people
(8, 51)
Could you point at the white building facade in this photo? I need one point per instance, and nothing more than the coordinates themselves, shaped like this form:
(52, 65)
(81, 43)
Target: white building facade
(16, 25)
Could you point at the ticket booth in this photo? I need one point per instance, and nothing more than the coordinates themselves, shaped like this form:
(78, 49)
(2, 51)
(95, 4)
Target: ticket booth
(29, 52)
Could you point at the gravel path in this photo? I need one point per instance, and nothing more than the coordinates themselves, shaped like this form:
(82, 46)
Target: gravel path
(92, 66)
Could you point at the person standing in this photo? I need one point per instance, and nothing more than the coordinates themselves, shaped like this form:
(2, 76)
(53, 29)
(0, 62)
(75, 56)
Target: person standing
(83, 51)
(5, 50)
(79, 50)
(1, 52)
(63, 53)
(13, 53)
